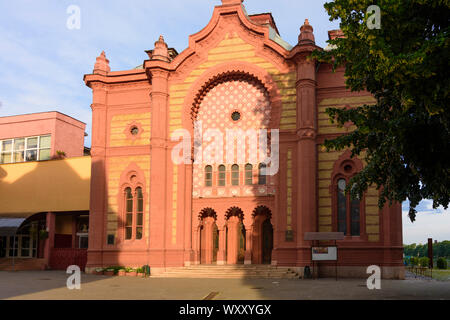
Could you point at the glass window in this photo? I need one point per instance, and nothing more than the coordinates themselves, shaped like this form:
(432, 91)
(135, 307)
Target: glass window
(32, 143)
(129, 214)
(342, 206)
(354, 216)
(235, 175)
(208, 176)
(19, 144)
(6, 157)
(139, 213)
(25, 149)
(84, 241)
(7, 145)
(248, 174)
(222, 175)
(262, 178)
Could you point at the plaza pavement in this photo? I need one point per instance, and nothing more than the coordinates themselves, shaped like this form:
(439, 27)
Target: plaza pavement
(52, 285)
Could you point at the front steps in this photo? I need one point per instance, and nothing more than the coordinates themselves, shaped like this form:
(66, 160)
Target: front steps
(229, 272)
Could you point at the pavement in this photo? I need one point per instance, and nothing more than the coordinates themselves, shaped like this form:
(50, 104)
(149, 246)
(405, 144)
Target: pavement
(51, 285)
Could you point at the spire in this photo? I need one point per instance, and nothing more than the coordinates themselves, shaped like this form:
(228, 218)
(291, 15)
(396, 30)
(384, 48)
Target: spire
(306, 32)
(231, 2)
(101, 64)
(161, 51)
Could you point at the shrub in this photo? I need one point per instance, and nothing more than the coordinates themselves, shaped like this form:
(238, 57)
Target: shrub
(424, 262)
(441, 263)
(414, 261)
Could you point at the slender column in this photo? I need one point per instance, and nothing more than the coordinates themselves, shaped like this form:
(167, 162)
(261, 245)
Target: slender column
(232, 250)
(248, 245)
(50, 241)
(197, 245)
(222, 245)
(74, 231)
(306, 145)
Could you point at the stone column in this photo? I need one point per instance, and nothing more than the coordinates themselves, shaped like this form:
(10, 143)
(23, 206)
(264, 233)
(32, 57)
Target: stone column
(306, 214)
(221, 258)
(233, 241)
(157, 69)
(248, 244)
(50, 241)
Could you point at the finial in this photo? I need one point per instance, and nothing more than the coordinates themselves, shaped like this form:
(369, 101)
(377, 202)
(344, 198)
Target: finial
(231, 2)
(101, 64)
(306, 32)
(161, 51)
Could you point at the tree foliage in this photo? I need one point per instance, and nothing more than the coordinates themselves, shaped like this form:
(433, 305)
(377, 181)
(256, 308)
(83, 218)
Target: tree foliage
(405, 135)
(440, 249)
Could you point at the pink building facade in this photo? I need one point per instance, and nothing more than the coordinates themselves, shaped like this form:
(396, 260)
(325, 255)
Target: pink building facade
(156, 201)
(31, 137)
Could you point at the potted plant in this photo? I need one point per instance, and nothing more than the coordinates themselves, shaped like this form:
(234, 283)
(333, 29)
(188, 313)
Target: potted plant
(98, 271)
(140, 272)
(130, 272)
(109, 271)
(43, 234)
(121, 272)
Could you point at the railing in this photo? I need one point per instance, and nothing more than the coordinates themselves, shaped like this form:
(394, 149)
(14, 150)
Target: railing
(61, 258)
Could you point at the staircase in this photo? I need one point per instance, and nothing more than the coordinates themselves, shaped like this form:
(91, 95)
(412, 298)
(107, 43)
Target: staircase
(229, 272)
(21, 264)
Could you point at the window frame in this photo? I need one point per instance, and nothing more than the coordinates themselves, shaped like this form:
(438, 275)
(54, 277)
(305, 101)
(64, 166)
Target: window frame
(25, 149)
(235, 180)
(208, 181)
(222, 180)
(248, 170)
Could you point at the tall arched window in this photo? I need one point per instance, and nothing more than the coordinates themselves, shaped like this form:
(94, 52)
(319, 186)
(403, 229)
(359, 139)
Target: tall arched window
(128, 214)
(208, 176)
(222, 175)
(262, 178)
(348, 211)
(235, 175)
(139, 213)
(248, 174)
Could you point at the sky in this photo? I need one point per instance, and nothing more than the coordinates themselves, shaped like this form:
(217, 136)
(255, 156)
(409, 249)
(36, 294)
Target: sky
(42, 61)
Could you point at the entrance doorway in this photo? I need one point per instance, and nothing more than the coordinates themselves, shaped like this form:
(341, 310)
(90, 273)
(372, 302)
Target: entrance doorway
(209, 236)
(267, 242)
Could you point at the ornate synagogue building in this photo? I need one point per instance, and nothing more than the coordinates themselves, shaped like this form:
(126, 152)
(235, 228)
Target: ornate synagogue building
(222, 207)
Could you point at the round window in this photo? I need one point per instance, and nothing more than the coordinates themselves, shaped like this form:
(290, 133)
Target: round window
(134, 131)
(236, 116)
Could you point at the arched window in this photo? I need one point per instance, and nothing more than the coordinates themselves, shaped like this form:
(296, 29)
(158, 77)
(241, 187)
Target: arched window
(248, 174)
(139, 213)
(128, 214)
(208, 176)
(222, 175)
(348, 211)
(262, 178)
(235, 175)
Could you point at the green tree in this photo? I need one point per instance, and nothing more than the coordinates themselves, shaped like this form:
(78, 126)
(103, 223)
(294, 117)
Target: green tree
(405, 136)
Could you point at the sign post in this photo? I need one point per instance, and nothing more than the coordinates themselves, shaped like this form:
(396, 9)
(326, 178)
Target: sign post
(324, 253)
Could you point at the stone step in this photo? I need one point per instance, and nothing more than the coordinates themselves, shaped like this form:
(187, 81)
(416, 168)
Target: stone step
(229, 271)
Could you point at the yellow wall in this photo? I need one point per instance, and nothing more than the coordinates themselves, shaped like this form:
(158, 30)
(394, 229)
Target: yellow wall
(326, 162)
(63, 224)
(55, 185)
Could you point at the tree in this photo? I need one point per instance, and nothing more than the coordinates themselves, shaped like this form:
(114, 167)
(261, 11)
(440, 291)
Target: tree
(405, 136)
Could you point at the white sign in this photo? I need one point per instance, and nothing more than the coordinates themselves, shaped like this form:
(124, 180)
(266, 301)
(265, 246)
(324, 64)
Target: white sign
(324, 253)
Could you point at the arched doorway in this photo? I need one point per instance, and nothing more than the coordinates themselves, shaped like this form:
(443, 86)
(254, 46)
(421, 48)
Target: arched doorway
(262, 236)
(267, 241)
(235, 236)
(209, 236)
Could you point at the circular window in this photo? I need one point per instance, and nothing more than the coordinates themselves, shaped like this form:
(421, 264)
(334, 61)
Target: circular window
(236, 116)
(348, 168)
(134, 131)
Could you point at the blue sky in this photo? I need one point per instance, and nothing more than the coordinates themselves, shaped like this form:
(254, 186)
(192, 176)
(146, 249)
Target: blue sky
(42, 62)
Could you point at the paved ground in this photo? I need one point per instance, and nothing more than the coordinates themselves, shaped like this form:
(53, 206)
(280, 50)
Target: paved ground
(52, 285)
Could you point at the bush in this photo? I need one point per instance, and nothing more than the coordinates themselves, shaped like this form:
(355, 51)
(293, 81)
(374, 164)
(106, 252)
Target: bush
(414, 261)
(441, 263)
(424, 262)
